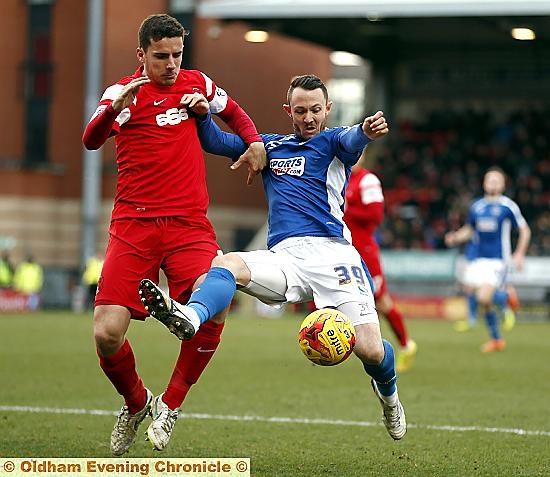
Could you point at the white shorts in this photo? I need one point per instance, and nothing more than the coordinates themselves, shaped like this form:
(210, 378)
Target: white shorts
(300, 269)
(485, 271)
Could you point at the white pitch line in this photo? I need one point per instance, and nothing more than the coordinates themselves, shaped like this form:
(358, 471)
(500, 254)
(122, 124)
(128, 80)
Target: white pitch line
(288, 420)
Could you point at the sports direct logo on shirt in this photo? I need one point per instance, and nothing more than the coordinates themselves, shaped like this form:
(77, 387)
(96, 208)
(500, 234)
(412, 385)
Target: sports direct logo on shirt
(293, 166)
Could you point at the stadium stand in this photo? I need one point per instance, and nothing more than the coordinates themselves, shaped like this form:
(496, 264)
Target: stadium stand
(432, 169)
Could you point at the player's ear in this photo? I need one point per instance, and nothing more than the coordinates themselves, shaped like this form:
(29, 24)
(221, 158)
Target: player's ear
(287, 109)
(140, 55)
(329, 105)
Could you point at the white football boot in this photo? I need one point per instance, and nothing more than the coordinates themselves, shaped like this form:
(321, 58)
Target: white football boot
(125, 430)
(393, 414)
(180, 320)
(164, 419)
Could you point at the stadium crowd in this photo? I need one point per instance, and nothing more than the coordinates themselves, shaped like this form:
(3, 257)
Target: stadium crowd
(432, 169)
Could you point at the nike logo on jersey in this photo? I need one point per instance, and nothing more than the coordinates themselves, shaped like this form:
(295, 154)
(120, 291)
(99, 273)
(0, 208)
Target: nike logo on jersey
(201, 350)
(156, 103)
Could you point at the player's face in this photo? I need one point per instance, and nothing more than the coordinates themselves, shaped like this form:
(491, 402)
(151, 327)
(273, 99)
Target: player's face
(162, 60)
(308, 110)
(494, 183)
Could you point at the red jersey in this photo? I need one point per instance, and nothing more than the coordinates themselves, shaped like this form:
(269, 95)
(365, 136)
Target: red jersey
(161, 170)
(364, 209)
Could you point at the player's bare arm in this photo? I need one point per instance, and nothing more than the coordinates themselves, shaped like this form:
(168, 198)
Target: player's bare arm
(255, 158)
(129, 92)
(462, 235)
(518, 257)
(195, 102)
(375, 126)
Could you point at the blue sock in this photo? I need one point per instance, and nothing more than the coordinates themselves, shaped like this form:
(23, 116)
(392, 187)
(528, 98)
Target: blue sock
(384, 373)
(500, 298)
(214, 294)
(492, 324)
(472, 308)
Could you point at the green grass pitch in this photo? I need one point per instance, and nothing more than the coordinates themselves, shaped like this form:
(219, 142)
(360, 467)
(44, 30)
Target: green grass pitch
(469, 414)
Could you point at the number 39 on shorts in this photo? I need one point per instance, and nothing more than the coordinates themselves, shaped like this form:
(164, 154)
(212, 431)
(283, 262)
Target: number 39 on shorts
(346, 274)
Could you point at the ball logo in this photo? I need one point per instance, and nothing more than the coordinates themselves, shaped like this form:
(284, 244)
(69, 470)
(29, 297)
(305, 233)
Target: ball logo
(172, 117)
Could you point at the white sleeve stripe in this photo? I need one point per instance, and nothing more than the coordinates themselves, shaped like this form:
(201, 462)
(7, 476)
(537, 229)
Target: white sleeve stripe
(209, 84)
(112, 92)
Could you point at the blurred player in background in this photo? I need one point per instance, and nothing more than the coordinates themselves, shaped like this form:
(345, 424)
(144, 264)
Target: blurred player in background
(490, 220)
(508, 304)
(309, 256)
(28, 279)
(363, 214)
(90, 278)
(159, 216)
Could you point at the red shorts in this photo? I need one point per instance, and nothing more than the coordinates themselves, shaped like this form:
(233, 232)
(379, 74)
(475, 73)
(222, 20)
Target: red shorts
(182, 247)
(371, 257)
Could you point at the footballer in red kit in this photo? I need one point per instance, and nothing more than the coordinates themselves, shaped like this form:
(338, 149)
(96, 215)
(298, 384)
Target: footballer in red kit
(364, 213)
(159, 217)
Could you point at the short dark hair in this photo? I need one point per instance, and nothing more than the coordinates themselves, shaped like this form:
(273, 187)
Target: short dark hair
(159, 26)
(307, 82)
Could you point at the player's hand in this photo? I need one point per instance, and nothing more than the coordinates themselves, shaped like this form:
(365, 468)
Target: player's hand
(255, 157)
(450, 239)
(129, 93)
(518, 259)
(195, 102)
(375, 126)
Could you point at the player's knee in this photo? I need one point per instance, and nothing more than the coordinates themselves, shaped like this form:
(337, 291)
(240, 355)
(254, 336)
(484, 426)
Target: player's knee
(372, 353)
(108, 338)
(235, 264)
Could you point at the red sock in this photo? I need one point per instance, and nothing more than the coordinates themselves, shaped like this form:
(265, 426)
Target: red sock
(194, 356)
(120, 368)
(395, 318)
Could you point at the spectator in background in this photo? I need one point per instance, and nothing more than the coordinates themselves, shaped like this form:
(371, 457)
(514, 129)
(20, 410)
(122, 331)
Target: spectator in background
(363, 215)
(28, 279)
(6, 270)
(490, 219)
(433, 164)
(90, 278)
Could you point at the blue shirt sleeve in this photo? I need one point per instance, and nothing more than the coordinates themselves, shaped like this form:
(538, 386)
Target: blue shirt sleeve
(216, 141)
(353, 139)
(350, 144)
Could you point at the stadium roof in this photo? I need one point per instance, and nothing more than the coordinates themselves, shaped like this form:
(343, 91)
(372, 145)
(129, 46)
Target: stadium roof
(366, 8)
(383, 30)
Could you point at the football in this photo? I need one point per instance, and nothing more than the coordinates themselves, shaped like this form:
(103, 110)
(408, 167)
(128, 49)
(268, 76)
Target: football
(326, 337)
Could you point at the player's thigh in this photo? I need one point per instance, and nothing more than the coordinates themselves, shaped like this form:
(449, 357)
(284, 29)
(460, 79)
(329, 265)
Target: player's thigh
(190, 247)
(338, 275)
(268, 276)
(132, 254)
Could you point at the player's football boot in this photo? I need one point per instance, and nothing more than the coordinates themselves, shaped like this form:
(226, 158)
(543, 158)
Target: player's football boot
(125, 430)
(405, 357)
(508, 319)
(493, 345)
(164, 419)
(180, 320)
(393, 415)
(463, 325)
(513, 299)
